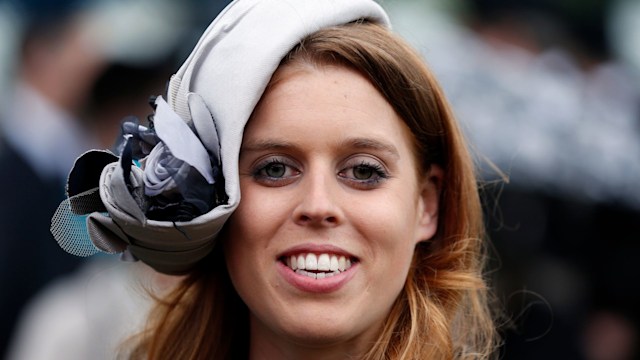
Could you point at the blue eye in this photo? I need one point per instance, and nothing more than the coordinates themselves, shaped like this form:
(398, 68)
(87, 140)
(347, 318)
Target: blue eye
(364, 174)
(275, 172)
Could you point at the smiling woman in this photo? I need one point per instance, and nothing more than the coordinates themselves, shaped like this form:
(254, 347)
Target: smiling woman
(333, 248)
(324, 195)
(359, 233)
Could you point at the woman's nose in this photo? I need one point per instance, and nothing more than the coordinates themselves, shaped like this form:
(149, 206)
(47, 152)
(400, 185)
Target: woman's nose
(318, 201)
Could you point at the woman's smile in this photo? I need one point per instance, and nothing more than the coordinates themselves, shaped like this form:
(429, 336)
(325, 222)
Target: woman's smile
(317, 268)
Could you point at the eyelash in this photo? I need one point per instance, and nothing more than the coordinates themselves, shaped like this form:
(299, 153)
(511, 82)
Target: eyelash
(259, 172)
(379, 173)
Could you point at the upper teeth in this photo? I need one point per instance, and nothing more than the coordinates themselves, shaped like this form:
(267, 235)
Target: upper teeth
(323, 262)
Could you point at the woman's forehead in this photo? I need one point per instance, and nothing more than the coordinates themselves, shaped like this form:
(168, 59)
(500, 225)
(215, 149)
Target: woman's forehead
(334, 105)
(314, 93)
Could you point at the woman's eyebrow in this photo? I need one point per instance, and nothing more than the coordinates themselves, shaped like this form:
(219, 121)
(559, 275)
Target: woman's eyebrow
(355, 143)
(266, 144)
(371, 144)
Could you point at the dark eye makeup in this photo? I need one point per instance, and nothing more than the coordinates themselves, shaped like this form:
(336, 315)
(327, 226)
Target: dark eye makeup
(364, 174)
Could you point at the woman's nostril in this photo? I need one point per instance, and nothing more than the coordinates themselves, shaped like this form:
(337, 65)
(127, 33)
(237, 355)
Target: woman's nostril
(309, 219)
(331, 219)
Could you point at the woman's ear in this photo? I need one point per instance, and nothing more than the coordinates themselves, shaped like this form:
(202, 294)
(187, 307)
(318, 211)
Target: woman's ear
(429, 203)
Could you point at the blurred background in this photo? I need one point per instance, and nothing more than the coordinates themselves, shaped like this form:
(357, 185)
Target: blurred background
(70, 71)
(547, 91)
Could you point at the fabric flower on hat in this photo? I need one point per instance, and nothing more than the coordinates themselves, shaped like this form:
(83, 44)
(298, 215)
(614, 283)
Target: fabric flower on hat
(179, 173)
(165, 176)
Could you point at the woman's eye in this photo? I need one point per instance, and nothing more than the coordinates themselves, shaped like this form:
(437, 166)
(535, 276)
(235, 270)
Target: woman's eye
(364, 174)
(274, 172)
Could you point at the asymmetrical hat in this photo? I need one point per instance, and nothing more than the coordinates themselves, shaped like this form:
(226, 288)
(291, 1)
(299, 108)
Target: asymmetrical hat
(167, 193)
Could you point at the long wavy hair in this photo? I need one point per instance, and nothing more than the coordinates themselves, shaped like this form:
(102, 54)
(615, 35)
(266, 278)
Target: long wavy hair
(443, 310)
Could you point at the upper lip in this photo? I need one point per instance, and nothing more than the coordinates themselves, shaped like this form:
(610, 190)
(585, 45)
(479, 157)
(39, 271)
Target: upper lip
(316, 249)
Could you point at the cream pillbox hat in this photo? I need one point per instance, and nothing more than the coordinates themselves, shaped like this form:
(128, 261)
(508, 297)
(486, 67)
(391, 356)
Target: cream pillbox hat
(209, 101)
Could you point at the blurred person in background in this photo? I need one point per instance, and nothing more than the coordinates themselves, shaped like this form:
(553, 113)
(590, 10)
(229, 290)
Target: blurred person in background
(549, 92)
(40, 137)
(571, 231)
(78, 67)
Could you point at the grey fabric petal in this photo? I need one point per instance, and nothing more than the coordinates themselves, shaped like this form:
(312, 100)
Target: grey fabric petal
(160, 171)
(105, 234)
(174, 262)
(115, 195)
(180, 139)
(205, 126)
(86, 202)
(83, 181)
(86, 170)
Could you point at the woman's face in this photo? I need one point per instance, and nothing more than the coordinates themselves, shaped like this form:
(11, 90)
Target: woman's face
(332, 208)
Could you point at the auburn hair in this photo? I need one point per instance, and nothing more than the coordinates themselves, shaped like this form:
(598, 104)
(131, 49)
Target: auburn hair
(443, 310)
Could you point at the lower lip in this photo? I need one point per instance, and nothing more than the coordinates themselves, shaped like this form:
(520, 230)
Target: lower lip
(320, 286)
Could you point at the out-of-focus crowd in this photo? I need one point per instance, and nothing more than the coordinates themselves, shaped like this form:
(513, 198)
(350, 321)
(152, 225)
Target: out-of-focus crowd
(548, 93)
(70, 71)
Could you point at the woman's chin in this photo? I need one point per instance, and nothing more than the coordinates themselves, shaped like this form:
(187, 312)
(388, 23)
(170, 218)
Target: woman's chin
(317, 333)
(318, 336)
